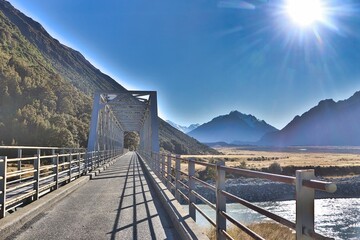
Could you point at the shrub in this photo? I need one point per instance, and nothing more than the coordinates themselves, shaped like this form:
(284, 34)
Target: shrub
(275, 168)
(243, 164)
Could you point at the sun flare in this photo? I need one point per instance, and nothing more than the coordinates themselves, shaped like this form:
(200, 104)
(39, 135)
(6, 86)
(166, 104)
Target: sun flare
(305, 12)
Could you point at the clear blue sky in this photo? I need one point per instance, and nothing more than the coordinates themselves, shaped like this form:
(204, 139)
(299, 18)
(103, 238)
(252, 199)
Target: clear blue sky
(208, 57)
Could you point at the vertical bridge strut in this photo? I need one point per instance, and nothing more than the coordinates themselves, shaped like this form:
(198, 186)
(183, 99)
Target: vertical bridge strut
(115, 113)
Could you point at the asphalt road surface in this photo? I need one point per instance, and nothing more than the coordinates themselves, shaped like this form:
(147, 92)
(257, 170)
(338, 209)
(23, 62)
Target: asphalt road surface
(116, 204)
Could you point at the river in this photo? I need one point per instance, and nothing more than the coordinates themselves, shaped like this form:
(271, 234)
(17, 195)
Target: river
(338, 218)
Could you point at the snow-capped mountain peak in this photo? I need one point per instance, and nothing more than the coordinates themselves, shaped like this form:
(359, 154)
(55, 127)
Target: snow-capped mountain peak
(184, 129)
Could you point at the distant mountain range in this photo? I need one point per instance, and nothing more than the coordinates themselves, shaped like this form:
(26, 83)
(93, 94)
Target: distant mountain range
(184, 129)
(329, 123)
(233, 127)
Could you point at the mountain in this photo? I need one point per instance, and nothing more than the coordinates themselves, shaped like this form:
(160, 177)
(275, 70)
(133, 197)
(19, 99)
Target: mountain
(184, 129)
(329, 123)
(233, 127)
(46, 88)
(174, 140)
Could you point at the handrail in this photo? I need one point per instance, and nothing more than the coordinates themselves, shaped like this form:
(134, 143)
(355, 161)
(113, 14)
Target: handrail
(305, 184)
(47, 170)
(34, 148)
(320, 185)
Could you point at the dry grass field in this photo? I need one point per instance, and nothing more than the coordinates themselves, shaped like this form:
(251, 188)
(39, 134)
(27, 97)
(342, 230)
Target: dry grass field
(267, 230)
(257, 159)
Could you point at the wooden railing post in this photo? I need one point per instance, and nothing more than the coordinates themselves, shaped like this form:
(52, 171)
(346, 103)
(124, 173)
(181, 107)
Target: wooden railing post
(169, 179)
(157, 162)
(220, 201)
(37, 174)
(3, 166)
(53, 161)
(57, 171)
(191, 184)
(92, 161)
(154, 162)
(177, 177)
(19, 155)
(151, 160)
(86, 162)
(304, 205)
(78, 158)
(63, 159)
(98, 158)
(163, 168)
(70, 160)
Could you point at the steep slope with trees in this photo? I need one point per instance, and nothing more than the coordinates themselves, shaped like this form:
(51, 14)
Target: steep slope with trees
(37, 105)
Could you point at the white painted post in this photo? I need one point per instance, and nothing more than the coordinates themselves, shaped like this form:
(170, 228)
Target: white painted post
(3, 166)
(177, 177)
(169, 179)
(220, 201)
(37, 174)
(304, 205)
(191, 184)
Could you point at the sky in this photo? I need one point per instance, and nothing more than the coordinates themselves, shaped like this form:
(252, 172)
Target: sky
(209, 57)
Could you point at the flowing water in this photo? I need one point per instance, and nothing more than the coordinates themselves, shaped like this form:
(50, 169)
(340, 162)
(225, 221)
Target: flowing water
(337, 218)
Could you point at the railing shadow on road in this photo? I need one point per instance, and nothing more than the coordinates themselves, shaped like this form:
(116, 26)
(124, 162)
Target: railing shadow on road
(135, 213)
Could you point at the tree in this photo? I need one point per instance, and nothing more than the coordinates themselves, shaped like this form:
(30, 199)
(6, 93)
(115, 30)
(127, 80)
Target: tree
(131, 140)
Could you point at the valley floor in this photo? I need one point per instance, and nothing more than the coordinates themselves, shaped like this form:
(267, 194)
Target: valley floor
(336, 162)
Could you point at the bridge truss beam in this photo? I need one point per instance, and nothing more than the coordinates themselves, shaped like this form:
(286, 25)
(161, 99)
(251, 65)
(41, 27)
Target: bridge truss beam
(115, 113)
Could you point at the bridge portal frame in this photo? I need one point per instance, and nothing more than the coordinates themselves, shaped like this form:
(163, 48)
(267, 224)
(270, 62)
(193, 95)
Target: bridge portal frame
(117, 112)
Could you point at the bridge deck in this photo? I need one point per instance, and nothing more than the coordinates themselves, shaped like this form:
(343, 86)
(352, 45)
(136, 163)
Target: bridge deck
(117, 204)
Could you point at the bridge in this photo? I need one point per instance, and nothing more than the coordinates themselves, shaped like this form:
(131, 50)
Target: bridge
(107, 192)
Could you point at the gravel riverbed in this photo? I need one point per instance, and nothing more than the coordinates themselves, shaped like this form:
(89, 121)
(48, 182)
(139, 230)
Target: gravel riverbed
(257, 190)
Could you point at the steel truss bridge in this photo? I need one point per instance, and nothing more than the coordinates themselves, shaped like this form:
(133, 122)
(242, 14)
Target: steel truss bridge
(29, 173)
(115, 113)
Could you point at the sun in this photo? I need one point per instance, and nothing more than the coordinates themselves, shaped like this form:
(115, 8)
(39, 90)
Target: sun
(305, 12)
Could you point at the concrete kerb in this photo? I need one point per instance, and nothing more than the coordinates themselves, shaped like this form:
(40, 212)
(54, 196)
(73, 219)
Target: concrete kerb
(13, 222)
(97, 171)
(184, 224)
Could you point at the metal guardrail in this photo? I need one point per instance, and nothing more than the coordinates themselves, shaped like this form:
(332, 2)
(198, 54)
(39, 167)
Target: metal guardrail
(168, 169)
(27, 173)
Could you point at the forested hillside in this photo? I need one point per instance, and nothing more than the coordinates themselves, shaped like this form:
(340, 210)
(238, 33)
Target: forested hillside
(37, 106)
